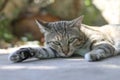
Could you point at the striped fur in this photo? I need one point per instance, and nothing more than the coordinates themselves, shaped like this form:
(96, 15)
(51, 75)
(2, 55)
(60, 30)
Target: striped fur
(65, 38)
(37, 52)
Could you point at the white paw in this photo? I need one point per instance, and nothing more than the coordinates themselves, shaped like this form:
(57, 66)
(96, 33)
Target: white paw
(91, 57)
(88, 57)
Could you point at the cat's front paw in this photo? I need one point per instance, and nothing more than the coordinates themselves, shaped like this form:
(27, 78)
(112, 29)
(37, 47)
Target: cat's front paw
(19, 55)
(91, 57)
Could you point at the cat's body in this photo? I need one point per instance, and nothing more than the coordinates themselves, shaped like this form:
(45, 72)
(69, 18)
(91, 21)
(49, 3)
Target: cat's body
(65, 38)
(107, 34)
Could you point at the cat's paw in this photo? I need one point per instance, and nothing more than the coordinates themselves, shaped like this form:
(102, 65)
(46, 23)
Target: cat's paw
(91, 57)
(19, 55)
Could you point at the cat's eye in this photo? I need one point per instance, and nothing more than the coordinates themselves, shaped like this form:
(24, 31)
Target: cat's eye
(56, 43)
(71, 40)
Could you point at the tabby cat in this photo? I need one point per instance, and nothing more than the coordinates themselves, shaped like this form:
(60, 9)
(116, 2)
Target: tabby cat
(66, 38)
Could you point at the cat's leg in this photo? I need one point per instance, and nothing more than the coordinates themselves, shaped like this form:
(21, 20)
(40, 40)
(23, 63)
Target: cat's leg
(29, 52)
(99, 52)
(117, 48)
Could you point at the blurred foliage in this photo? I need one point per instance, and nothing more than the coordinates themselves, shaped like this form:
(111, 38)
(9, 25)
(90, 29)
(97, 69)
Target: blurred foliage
(12, 10)
(27, 37)
(71, 9)
(7, 14)
(92, 16)
(5, 32)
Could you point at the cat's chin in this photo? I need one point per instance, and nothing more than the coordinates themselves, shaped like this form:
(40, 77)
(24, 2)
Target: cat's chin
(64, 55)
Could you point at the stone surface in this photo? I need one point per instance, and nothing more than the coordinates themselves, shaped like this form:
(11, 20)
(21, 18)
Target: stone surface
(60, 69)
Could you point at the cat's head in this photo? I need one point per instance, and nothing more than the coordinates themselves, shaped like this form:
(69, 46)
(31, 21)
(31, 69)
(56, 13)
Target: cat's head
(63, 36)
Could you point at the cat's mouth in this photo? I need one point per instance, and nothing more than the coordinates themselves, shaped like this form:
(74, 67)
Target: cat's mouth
(66, 55)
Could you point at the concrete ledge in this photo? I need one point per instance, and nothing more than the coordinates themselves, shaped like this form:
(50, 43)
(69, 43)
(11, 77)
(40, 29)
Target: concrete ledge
(60, 69)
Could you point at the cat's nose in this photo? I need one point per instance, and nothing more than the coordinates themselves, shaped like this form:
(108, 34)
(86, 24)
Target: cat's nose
(65, 51)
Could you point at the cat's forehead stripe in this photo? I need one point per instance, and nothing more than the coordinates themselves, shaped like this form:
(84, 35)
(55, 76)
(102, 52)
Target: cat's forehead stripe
(59, 27)
(60, 30)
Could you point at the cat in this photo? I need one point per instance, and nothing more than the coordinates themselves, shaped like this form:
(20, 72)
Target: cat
(66, 38)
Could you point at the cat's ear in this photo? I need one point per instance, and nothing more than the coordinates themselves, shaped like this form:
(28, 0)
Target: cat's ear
(77, 22)
(42, 25)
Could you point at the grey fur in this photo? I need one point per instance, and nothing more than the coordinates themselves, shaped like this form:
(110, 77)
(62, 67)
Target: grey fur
(65, 38)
